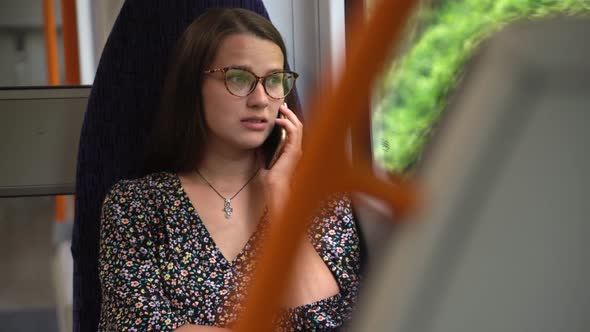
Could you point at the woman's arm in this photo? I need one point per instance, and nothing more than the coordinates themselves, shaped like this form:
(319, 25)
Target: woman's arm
(334, 235)
(132, 281)
(311, 280)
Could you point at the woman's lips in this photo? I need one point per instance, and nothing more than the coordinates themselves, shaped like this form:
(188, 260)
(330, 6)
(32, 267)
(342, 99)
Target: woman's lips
(254, 124)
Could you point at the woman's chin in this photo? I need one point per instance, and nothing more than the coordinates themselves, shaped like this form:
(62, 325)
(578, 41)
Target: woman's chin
(252, 142)
(246, 145)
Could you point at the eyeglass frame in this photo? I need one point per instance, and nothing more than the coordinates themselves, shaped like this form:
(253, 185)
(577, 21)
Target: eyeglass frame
(259, 79)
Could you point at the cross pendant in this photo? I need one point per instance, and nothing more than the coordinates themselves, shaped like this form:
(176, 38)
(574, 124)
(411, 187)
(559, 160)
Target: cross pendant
(227, 209)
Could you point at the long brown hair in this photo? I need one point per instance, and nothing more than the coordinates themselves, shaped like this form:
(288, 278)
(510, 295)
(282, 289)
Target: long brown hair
(179, 132)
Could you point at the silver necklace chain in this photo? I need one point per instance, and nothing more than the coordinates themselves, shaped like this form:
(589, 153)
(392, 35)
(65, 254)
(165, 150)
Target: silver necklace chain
(227, 209)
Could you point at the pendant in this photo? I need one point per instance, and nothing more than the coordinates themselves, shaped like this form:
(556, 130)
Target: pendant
(227, 209)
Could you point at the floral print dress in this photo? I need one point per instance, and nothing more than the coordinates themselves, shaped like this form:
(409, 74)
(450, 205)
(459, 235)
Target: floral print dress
(160, 268)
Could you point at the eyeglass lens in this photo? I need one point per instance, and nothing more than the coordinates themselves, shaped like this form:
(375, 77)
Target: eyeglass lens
(241, 83)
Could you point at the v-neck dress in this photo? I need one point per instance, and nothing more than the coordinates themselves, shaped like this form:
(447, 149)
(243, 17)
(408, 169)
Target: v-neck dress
(160, 269)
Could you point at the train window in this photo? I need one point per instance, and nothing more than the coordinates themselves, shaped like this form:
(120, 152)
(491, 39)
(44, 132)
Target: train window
(414, 89)
(505, 181)
(428, 64)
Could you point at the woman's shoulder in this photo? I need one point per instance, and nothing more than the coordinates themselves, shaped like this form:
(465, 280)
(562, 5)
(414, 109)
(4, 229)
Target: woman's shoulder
(335, 213)
(336, 204)
(150, 186)
(138, 200)
(335, 235)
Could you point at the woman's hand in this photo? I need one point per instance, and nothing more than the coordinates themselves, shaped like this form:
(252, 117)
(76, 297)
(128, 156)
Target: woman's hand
(277, 180)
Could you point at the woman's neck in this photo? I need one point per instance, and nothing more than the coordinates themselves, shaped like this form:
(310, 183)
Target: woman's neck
(228, 167)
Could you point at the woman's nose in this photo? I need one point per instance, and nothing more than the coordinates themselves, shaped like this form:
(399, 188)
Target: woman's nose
(258, 97)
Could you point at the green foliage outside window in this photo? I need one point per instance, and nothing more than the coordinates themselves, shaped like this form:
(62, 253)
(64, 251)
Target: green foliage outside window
(414, 90)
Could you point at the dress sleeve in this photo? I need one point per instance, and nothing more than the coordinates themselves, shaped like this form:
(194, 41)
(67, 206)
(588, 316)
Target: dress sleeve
(133, 297)
(334, 236)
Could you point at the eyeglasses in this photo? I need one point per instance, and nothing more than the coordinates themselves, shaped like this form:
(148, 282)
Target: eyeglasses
(241, 82)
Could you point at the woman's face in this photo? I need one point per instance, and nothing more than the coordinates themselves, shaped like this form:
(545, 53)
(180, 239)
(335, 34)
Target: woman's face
(241, 123)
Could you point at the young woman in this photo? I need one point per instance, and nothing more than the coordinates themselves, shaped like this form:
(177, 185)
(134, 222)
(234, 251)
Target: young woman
(178, 247)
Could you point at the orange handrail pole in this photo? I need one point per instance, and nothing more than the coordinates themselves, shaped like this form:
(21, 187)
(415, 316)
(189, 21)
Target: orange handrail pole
(324, 168)
(60, 203)
(72, 77)
(70, 38)
(50, 32)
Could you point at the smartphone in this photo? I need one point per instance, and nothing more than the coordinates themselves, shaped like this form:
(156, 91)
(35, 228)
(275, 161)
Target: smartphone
(280, 146)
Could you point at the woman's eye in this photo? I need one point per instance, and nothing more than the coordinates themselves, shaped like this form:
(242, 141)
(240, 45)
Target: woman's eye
(275, 80)
(239, 78)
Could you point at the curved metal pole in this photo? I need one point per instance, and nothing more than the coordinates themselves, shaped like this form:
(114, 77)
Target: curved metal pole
(325, 167)
(50, 32)
(70, 37)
